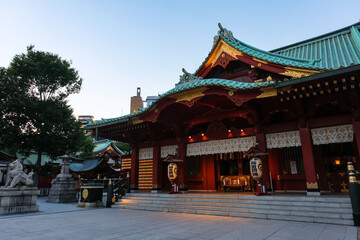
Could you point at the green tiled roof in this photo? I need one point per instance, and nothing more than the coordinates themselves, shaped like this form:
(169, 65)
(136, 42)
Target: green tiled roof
(184, 87)
(336, 49)
(227, 36)
(102, 145)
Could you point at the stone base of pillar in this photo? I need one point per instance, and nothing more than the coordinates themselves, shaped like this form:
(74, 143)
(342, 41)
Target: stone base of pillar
(156, 191)
(313, 192)
(18, 200)
(356, 218)
(62, 189)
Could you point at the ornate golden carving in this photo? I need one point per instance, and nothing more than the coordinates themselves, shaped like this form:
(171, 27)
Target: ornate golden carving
(298, 72)
(136, 121)
(222, 47)
(259, 61)
(267, 92)
(312, 185)
(189, 95)
(344, 187)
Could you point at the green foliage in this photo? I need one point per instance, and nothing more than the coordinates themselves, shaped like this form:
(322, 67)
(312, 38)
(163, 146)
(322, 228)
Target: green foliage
(87, 148)
(125, 147)
(34, 111)
(45, 75)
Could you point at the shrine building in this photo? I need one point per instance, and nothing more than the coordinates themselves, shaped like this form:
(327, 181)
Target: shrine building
(298, 103)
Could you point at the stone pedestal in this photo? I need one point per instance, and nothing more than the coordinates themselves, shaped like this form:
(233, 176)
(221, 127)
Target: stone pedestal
(62, 191)
(63, 186)
(18, 200)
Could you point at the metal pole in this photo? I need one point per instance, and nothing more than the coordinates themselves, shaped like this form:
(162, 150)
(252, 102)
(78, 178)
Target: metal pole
(271, 185)
(354, 191)
(109, 194)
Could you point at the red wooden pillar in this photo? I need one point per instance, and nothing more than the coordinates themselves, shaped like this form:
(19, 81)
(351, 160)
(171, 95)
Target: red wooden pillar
(182, 166)
(261, 144)
(210, 172)
(134, 171)
(312, 185)
(274, 166)
(157, 169)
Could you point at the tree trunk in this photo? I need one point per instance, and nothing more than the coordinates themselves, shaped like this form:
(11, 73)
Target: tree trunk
(37, 169)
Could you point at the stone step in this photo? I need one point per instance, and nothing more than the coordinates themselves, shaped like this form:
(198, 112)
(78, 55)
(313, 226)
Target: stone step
(246, 209)
(240, 214)
(342, 199)
(242, 205)
(258, 202)
(335, 210)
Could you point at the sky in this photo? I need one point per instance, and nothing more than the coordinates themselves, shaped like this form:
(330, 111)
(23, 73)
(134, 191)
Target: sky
(118, 46)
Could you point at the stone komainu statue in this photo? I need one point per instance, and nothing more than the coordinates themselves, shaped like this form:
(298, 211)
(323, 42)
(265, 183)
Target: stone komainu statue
(16, 175)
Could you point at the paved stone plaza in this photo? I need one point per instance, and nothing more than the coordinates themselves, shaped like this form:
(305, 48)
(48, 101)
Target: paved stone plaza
(66, 221)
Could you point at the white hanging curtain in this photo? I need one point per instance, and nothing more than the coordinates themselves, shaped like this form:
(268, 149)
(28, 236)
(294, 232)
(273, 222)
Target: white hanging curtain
(168, 150)
(335, 134)
(221, 146)
(283, 139)
(145, 153)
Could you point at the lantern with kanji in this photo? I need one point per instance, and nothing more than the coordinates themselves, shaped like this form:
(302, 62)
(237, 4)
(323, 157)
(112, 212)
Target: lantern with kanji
(256, 168)
(172, 171)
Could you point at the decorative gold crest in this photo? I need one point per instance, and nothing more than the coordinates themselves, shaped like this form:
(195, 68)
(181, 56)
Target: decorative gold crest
(189, 95)
(297, 72)
(312, 185)
(267, 92)
(221, 48)
(85, 193)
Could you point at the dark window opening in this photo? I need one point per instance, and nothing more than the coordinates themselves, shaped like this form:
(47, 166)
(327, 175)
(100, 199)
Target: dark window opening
(193, 166)
(293, 160)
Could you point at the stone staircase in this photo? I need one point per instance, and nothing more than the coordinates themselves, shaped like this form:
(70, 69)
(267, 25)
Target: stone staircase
(323, 209)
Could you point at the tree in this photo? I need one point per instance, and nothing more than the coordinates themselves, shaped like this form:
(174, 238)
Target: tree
(125, 147)
(87, 149)
(34, 110)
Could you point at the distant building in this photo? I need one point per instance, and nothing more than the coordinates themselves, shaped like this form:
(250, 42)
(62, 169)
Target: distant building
(136, 102)
(150, 100)
(86, 119)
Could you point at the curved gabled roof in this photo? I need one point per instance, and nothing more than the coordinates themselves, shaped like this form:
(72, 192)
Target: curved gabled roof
(104, 144)
(227, 36)
(234, 85)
